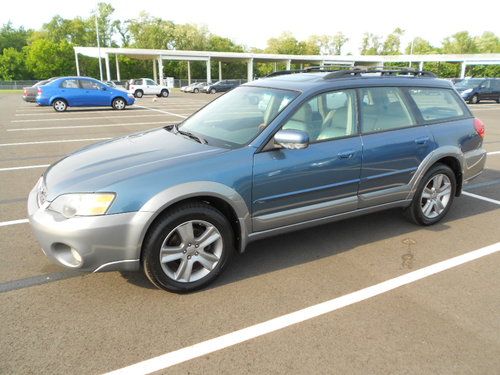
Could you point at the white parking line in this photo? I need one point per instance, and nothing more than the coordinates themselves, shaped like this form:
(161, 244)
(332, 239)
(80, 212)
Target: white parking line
(85, 118)
(159, 110)
(185, 354)
(69, 113)
(493, 153)
(13, 222)
(58, 141)
(24, 167)
(90, 126)
(481, 197)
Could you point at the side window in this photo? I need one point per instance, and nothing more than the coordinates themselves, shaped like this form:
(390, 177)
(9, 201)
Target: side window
(150, 82)
(338, 119)
(384, 108)
(89, 85)
(70, 84)
(437, 104)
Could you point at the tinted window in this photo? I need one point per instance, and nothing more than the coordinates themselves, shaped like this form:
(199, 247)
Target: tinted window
(150, 82)
(326, 116)
(384, 108)
(437, 104)
(496, 85)
(70, 84)
(89, 85)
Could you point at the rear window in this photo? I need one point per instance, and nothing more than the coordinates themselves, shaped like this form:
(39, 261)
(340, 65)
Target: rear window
(437, 104)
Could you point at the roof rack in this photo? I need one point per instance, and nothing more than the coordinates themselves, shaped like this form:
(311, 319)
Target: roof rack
(316, 68)
(355, 71)
(358, 72)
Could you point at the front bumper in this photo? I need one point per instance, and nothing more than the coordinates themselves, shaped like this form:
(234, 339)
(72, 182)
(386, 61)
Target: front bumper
(97, 243)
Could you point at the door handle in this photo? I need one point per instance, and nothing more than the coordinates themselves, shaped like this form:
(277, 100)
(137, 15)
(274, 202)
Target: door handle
(346, 154)
(422, 140)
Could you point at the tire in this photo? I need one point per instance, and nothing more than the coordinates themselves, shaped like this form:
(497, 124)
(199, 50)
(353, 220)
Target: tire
(60, 105)
(119, 104)
(498, 100)
(427, 210)
(196, 91)
(164, 93)
(213, 91)
(169, 231)
(474, 99)
(139, 93)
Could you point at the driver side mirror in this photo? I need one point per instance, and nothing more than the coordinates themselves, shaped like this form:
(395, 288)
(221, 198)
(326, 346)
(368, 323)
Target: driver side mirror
(104, 88)
(292, 139)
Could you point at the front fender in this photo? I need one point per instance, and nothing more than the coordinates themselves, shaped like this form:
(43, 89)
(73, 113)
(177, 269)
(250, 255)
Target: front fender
(158, 203)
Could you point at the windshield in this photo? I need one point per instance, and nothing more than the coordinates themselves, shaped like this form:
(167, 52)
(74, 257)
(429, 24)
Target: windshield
(468, 84)
(236, 118)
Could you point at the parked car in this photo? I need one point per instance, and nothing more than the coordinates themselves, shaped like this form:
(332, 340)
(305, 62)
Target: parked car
(110, 84)
(473, 90)
(220, 86)
(65, 92)
(179, 201)
(194, 87)
(30, 93)
(146, 86)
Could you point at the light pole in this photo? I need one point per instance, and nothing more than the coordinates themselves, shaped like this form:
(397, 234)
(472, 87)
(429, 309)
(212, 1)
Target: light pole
(98, 43)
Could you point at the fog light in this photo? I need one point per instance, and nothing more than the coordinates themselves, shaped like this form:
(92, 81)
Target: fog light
(76, 255)
(66, 255)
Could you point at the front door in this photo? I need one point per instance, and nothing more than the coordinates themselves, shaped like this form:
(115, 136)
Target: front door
(294, 186)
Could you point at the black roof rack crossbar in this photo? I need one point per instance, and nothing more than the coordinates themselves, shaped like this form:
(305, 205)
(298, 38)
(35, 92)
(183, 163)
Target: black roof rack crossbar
(358, 72)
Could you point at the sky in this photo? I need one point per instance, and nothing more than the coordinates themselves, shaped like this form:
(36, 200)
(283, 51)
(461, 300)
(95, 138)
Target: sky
(252, 23)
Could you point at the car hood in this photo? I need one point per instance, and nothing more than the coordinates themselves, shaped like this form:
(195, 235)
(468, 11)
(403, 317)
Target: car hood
(99, 166)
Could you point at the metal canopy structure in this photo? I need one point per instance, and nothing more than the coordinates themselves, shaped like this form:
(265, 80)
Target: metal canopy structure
(157, 56)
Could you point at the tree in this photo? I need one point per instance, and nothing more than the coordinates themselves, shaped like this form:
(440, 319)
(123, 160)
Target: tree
(12, 65)
(329, 44)
(46, 58)
(420, 47)
(460, 42)
(488, 42)
(392, 44)
(11, 37)
(370, 44)
(287, 44)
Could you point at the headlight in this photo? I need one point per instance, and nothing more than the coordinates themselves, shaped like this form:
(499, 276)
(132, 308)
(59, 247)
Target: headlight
(465, 92)
(91, 204)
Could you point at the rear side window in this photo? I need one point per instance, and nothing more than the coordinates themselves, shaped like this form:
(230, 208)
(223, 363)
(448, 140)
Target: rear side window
(70, 84)
(437, 104)
(384, 108)
(89, 85)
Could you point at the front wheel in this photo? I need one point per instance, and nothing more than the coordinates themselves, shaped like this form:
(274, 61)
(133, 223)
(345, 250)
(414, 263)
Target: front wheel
(196, 91)
(164, 93)
(434, 196)
(60, 105)
(474, 99)
(187, 248)
(138, 93)
(213, 91)
(119, 104)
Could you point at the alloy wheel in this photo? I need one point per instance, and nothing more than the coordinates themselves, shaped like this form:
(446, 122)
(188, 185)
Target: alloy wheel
(435, 196)
(191, 251)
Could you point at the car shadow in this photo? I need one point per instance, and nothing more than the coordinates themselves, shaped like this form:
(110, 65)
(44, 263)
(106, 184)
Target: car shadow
(100, 109)
(308, 245)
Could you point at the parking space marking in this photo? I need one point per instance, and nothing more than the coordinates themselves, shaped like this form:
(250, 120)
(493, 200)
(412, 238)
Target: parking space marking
(486, 199)
(24, 167)
(90, 126)
(86, 118)
(13, 222)
(159, 110)
(69, 113)
(233, 338)
(493, 153)
(58, 141)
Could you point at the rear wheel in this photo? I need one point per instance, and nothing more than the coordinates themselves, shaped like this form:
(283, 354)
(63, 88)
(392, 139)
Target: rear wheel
(188, 248)
(119, 104)
(138, 93)
(474, 99)
(213, 91)
(60, 105)
(164, 93)
(196, 91)
(434, 196)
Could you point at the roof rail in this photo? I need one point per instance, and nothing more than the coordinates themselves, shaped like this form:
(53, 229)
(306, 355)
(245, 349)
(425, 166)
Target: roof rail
(357, 72)
(316, 68)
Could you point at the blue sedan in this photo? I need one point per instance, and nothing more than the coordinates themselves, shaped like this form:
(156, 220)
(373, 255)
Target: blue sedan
(67, 92)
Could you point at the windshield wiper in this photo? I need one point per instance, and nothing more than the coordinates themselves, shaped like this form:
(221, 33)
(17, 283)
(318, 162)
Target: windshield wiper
(175, 127)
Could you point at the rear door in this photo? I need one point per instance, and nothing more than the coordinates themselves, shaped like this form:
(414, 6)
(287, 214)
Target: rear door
(485, 91)
(151, 87)
(70, 91)
(394, 145)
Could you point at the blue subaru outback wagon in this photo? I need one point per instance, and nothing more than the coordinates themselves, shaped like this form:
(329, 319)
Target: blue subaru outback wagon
(65, 92)
(275, 155)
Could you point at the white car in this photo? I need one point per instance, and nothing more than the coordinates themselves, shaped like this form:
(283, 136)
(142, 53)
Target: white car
(146, 86)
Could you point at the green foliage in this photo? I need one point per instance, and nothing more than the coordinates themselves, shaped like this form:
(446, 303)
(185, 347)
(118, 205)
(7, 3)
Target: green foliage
(287, 44)
(47, 58)
(12, 65)
(370, 44)
(11, 37)
(329, 44)
(420, 47)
